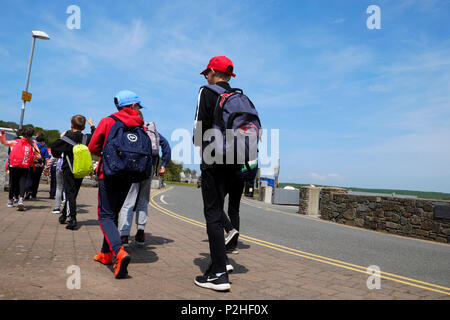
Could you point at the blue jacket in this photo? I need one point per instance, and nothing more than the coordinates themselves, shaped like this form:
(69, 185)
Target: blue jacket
(166, 150)
(44, 151)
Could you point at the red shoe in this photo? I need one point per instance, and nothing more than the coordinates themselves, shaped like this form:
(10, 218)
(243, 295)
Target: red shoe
(121, 263)
(105, 258)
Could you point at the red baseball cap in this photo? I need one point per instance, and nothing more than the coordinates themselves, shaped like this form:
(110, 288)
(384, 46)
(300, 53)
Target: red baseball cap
(220, 63)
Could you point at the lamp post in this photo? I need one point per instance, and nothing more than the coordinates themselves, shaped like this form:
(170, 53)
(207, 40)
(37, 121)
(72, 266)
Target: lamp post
(26, 96)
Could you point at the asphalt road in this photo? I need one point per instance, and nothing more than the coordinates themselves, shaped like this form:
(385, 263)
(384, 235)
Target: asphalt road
(420, 260)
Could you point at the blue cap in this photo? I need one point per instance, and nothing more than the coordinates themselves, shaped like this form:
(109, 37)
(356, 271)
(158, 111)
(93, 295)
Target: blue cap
(126, 98)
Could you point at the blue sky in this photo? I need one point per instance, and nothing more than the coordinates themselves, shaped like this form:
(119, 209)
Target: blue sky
(355, 107)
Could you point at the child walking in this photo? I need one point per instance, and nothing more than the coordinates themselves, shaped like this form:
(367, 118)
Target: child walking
(57, 175)
(122, 127)
(23, 153)
(139, 194)
(72, 185)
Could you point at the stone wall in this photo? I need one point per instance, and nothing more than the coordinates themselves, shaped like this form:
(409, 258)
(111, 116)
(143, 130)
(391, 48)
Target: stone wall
(402, 216)
(303, 206)
(3, 155)
(310, 197)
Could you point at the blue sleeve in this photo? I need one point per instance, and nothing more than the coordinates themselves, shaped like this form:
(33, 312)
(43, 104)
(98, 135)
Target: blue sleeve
(45, 153)
(166, 150)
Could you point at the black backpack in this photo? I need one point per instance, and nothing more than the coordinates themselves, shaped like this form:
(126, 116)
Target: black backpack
(236, 118)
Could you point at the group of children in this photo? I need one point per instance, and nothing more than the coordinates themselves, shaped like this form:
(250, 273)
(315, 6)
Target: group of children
(118, 197)
(126, 145)
(23, 154)
(27, 167)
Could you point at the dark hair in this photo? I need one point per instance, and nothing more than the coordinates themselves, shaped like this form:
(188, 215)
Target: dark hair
(40, 138)
(127, 106)
(222, 75)
(18, 132)
(78, 122)
(27, 132)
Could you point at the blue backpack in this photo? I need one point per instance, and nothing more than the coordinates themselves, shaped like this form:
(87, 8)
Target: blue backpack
(127, 153)
(236, 118)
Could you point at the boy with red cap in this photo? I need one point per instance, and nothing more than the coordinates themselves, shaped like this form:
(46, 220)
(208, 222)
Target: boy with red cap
(215, 177)
(113, 191)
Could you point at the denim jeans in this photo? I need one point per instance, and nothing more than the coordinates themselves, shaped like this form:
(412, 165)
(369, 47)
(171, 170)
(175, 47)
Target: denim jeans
(136, 201)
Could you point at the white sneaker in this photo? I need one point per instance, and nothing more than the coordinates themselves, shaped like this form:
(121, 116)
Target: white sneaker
(229, 268)
(213, 282)
(230, 235)
(232, 251)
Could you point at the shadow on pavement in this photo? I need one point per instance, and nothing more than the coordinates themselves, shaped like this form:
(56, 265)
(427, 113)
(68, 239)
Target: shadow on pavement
(240, 244)
(141, 254)
(110, 267)
(144, 253)
(80, 208)
(83, 205)
(29, 206)
(155, 240)
(90, 222)
(203, 264)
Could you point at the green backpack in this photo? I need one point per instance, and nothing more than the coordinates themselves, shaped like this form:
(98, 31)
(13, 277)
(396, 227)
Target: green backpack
(82, 161)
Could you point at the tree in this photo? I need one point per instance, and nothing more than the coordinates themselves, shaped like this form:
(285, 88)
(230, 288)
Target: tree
(173, 170)
(49, 135)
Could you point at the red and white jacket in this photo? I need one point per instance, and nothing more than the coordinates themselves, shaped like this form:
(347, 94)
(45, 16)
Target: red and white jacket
(128, 116)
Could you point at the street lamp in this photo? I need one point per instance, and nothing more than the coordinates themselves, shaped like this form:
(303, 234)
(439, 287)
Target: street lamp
(26, 96)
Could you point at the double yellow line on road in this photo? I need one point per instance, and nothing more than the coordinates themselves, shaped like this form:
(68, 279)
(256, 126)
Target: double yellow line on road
(310, 256)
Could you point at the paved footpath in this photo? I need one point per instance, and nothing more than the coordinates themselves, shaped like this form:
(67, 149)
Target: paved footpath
(36, 251)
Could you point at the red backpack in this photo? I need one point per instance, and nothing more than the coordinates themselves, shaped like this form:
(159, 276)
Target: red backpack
(22, 155)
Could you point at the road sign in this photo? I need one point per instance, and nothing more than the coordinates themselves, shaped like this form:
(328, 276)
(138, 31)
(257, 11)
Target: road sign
(26, 96)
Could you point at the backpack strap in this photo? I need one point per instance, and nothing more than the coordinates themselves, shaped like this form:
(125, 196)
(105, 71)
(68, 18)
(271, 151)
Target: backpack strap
(216, 88)
(100, 163)
(68, 140)
(115, 118)
(219, 90)
(85, 137)
(73, 143)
